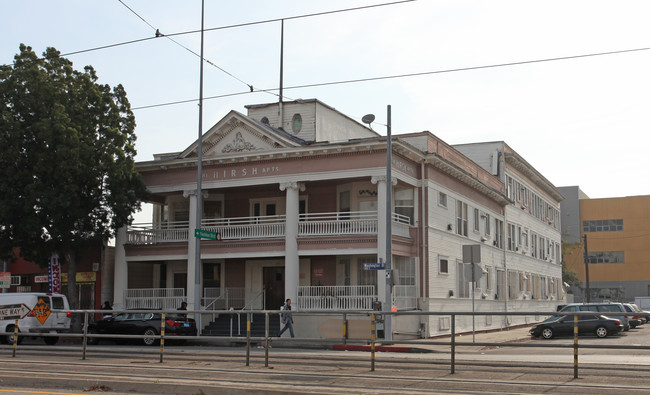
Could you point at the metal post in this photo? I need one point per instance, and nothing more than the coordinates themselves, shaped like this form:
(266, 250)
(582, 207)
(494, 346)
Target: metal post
(575, 346)
(473, 311)
(162, 336)
(85, 339)
(266, 336)
(248, 338)
(388, 306)
(586, 258)
(453, 343)
(15, 338)
(345, 328)
(373, 332)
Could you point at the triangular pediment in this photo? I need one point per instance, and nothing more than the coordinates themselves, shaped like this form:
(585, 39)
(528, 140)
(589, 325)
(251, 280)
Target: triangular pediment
(236, 133)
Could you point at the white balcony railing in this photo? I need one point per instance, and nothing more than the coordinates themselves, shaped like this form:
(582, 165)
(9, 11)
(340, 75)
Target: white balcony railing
(351, 297)
(334, 224)
(247, 228)
(243, 228)
(154, 298)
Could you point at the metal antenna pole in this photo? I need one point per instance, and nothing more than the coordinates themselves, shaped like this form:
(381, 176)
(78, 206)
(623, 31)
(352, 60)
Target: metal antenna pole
(199, 189)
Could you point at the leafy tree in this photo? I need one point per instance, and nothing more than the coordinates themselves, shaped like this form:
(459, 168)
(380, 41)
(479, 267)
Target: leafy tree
(569, 276)
(67, 169)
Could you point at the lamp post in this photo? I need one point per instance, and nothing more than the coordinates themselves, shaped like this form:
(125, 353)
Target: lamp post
(388, 299)
(388, 306)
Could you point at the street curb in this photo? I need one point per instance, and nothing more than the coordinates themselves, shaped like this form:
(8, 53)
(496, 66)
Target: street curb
(350, 347)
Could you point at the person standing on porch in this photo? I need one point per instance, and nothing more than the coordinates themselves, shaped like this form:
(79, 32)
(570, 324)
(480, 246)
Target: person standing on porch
(286, 318)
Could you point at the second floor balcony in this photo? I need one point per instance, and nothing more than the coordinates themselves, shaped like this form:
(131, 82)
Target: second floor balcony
(263, 227)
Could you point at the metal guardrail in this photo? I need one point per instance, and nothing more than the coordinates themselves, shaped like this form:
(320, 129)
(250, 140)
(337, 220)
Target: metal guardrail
(374, 317)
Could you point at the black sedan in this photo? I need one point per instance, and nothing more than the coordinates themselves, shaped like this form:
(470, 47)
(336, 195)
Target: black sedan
(599, 325)
(147, 324)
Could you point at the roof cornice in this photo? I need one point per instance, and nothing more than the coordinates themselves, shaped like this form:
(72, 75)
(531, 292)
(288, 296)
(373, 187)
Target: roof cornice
(526, 169)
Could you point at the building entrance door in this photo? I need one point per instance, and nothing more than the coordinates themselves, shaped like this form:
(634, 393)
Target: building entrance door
(274, 286)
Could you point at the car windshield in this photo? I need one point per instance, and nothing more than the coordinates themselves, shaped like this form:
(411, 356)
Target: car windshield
(553, 318)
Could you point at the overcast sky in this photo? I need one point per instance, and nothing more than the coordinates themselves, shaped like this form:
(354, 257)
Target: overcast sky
(579, 121)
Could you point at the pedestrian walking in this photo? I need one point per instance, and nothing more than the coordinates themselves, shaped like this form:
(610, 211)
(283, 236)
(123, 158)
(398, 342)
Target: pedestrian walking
(286, 318)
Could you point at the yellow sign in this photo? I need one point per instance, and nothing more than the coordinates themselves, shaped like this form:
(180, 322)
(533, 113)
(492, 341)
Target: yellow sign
(41, 311)
(81, 277)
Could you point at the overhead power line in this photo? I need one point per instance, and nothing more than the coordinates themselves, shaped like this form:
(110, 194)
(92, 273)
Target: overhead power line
(407, 75)
(158, 34)
(239, 25)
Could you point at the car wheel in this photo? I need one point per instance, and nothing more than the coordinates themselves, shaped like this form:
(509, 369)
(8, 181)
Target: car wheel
(92, 340)
(10, 338)
(601, 331)
(547, 333)
(150, 341)
(51, 340)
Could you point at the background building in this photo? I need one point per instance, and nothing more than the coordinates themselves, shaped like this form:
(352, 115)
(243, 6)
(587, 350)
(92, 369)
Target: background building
(94, 277)
(617, 231)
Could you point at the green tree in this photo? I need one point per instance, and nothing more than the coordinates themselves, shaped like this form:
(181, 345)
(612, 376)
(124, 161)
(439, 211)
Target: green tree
(569, 276)
(67, 169)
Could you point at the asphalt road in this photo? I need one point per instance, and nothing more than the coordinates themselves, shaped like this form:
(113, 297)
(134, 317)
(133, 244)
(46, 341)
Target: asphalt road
(519, 365)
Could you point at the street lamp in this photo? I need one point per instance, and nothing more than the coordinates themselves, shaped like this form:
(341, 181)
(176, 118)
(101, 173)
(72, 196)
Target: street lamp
(388, 304)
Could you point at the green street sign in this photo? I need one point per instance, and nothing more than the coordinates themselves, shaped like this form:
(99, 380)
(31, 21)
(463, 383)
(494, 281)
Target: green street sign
(207, 234)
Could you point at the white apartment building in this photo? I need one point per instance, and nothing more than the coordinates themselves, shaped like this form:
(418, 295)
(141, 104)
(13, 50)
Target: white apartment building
(298, 196)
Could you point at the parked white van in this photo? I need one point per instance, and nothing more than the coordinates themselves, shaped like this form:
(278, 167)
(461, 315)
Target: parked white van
(43, 313)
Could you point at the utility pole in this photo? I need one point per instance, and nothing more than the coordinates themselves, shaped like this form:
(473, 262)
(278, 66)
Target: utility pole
(586, 259)
(388, 329)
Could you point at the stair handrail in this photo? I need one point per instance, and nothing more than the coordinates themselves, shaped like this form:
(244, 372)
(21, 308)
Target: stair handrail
(261, 293)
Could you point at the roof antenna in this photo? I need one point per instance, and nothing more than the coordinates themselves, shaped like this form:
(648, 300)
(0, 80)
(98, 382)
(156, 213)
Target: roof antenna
(368, 118)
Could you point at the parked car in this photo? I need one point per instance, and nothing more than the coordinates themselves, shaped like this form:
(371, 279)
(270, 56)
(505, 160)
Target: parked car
(599, 325)
(147, 324)
(636, 319)
(37, 313)
(613, 310)
(645, 314)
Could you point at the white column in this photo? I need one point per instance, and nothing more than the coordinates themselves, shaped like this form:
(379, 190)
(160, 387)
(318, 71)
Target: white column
(381, 234)
(291, 259)
(121, 274)
(191, 252)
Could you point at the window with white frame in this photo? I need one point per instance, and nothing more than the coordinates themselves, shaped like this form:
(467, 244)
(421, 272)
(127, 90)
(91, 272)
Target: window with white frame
(462, 282)
(404, 203)
(406, 270)
(442, 199)
(487, 224)
(533, 245)
(461, 218)
(498, 233)
(443, 265)
(476, 220)
(511, 237)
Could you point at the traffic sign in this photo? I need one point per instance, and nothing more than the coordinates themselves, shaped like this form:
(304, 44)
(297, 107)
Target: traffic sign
(42, 311)
(374, 266)
(5, 279)
(13, 311)
(207, 234)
